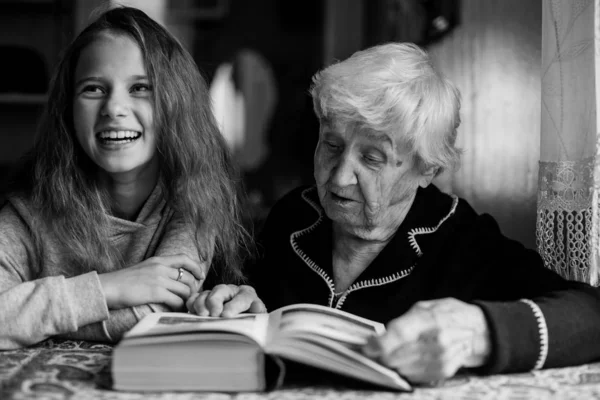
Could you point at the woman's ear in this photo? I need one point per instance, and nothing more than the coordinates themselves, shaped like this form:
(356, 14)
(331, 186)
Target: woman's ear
(427, 176)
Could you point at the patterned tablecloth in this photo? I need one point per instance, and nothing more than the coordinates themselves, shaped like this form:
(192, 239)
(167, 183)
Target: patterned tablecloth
(80, 370)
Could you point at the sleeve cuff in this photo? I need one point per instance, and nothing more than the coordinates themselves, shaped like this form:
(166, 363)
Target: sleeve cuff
(542, 330)
(86, 299)
(519, 336)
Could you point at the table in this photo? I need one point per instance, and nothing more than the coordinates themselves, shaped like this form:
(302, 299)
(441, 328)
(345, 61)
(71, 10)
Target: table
(65, 369)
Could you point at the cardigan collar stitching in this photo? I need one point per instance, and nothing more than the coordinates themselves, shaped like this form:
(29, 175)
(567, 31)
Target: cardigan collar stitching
(307, 260)
(428, 230)
(363, 283)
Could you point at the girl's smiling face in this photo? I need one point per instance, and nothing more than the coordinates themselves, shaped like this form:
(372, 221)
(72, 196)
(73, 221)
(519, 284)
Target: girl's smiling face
(112, 106)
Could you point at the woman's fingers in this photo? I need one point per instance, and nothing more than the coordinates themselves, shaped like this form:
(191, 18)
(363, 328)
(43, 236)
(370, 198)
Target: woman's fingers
(401, 331)
(189, 304)
(227, 301)
(433, 340)
(199, 304)
(426, 361)
(218, 296)
(245, 300)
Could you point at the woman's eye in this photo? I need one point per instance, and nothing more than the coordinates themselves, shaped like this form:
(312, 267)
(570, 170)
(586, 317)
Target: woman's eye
(332, 146)
(372, 159)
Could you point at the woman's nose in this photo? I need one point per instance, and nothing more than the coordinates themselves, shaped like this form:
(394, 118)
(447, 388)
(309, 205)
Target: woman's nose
(344, 172)
(115, 105)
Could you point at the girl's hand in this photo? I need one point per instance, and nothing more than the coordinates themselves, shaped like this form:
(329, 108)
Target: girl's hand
(433, 340)
(226, 301)
(155, 280)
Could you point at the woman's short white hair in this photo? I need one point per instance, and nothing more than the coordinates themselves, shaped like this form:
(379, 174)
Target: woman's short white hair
(394, 87)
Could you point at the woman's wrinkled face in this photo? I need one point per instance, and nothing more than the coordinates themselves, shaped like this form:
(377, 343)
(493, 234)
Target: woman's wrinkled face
(112, 106)
(365, 180)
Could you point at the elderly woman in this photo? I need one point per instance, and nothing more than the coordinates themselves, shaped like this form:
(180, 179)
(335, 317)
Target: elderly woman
(374, 237)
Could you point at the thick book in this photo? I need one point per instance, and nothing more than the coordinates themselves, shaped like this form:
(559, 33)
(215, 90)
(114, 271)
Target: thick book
(186, 352)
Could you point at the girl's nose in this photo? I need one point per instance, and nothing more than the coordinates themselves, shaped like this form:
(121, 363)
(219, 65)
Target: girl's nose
(116, 105)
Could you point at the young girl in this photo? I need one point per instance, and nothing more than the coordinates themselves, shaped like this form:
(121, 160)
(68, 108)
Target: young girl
(127, 197)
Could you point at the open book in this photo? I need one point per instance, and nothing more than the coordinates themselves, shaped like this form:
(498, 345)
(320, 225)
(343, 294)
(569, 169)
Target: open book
(179, 351)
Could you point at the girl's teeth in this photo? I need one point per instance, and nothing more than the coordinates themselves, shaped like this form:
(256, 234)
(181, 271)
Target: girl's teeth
(118, 135)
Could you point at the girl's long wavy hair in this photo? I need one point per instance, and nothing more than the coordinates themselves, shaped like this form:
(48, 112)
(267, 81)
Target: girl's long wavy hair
(198, 176)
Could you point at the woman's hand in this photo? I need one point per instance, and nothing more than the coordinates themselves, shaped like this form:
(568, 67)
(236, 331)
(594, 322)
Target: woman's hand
(433, 340)
(154, 280)
(226, 301)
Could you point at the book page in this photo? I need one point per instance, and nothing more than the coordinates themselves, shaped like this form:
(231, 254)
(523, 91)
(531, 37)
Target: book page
(172, 323)
(336, 357)
(329, 339)
(320, 321)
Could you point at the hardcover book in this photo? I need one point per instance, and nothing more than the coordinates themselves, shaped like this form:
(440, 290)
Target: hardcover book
(187, 352)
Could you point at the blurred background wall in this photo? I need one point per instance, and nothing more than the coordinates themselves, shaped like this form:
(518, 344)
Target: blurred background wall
(259, 56)
(494, 57)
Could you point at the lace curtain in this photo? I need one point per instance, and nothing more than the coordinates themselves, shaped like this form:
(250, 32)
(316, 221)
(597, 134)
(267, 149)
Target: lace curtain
(568, 216)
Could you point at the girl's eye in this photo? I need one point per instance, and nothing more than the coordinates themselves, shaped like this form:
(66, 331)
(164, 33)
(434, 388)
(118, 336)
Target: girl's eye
(140, 88)
(94, 89)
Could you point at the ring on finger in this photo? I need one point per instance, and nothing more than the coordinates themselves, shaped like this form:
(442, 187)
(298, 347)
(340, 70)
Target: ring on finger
(180, 274)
